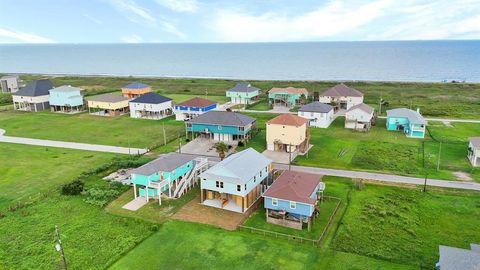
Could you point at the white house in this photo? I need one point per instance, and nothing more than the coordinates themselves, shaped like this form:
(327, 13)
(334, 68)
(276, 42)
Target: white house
(10, 83)
(319, 114)
(359, 117)
(474, 151)
(33, 97)
(342, 97)
(151, 106)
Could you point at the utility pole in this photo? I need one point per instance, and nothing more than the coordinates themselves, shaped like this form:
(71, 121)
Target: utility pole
(439, 154)
(164, 134)
(59, 247)
(380, 105)
(179, 144)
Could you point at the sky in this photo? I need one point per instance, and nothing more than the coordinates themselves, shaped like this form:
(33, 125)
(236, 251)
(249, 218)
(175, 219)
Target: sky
(172, 21)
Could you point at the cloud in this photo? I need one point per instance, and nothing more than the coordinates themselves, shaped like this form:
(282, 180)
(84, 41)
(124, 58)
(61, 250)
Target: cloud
(9, 36)
(329, 20)
(172, 29)
(132, 39)
(180, 5)
(93, 19)
(133, 11)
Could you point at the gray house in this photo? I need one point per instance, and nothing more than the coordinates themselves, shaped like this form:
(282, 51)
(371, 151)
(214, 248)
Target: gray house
(10, 83)
(473, 153)
(34, 96)
(452, 258)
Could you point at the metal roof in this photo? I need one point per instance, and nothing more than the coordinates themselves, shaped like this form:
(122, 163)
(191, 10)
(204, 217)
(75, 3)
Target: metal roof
(294, 186)
(411, 115)
(238, 168)
(452, 258)
(223, 118)
(165, 163)
(316, 107)
(136, 85)
(243, 87)
(65, 89)
(151, 98)
(35, 88)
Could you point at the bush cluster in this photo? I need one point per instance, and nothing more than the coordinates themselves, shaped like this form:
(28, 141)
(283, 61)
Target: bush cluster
(73, 188)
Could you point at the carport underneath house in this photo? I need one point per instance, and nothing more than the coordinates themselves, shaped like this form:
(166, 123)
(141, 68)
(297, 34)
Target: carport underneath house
(221, 126)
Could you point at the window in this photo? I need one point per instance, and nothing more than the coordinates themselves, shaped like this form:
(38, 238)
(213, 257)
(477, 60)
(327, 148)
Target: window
(255, 178)
(189, 125)
(260, 173)
(293, 205)
(245, 186)
(219, 127)
(241, 128)
(239, 188)
(219, 184)
(311, 114)
(274, 202)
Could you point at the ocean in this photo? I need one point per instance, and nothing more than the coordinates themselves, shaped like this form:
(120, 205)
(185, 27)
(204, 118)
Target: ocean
(425, 61)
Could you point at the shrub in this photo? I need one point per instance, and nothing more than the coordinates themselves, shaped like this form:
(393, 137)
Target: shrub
(241, 144)
(73, 188)
(98, 196)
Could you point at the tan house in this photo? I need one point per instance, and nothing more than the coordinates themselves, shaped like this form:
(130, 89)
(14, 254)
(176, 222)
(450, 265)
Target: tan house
(108, 105)
(288, 133)
(341, 97)
(360, 117)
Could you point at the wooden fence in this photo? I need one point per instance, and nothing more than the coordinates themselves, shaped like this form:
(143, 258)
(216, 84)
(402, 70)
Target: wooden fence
(300, 239)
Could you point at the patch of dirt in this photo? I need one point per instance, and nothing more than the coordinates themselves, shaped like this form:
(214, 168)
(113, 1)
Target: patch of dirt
(447, 124)
(193, 211)
(463, 176)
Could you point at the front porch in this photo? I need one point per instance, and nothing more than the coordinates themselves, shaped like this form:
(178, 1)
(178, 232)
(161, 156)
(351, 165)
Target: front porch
(107, 112)
(154, 115)
(67, 109)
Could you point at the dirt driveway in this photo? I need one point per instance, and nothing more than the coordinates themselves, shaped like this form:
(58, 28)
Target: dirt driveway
(193, 211)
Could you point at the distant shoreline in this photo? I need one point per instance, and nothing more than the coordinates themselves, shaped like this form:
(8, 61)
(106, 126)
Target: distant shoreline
(106, 75)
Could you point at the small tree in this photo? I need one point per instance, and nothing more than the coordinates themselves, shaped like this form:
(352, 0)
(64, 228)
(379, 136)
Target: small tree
(221, 149)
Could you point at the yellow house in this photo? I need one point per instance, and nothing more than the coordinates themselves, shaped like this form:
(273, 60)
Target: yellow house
(288, 133)
(108, 105)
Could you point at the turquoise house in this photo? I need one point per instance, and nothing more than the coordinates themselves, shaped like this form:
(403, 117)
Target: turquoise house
(162, 175)
(66, 99)
(288, 97)
(236, 182)
(221, 126)
(291, 200)
(408, 121)
(243, 93)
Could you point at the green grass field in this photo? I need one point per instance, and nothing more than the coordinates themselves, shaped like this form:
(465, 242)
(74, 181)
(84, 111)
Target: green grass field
(406, 226)
(434, 99)
(85, 128)
(26, 171)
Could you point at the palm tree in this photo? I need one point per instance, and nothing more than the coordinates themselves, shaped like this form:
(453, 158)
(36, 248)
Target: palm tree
(221, 149)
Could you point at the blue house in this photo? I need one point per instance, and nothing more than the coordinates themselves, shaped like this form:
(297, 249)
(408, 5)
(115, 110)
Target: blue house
(222, 126)
(410, 122)
(291, 200)
(170, 174)
(192, 108)
(236, 182)
(66, 99)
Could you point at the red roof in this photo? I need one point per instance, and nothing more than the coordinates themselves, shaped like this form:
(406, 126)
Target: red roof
(294, 186)
(198, 102)
(288, 120)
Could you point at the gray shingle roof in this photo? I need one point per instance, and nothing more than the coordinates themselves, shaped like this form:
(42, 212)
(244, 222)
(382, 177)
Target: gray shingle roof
(452, 258)
(412, 116)
(108, 98)
(475, 141)
(65, 88)
(223, 118)
(35, 89)
(362, 106)
(316, 107)
(341, 90)
(151, 98)
(165, 163)
(238, 168)
(243, 87)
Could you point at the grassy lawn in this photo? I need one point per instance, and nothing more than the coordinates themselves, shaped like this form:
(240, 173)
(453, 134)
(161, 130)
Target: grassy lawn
(27, 171)
(152, 212)
(91, 237)
(406, 226)
(257, 220)
(177, 98)
(261, 105)
(259, 140)
(434, 99)
(117, 131)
